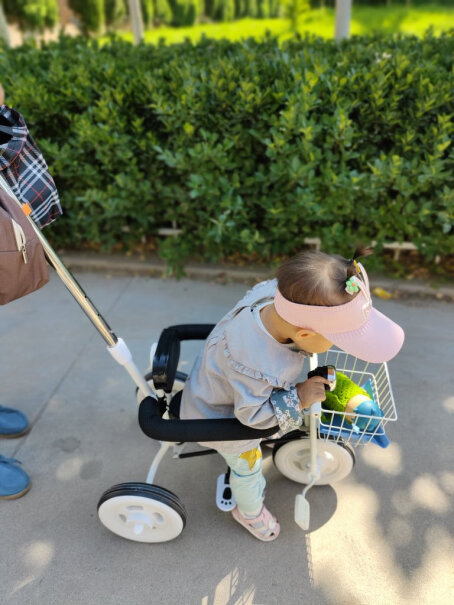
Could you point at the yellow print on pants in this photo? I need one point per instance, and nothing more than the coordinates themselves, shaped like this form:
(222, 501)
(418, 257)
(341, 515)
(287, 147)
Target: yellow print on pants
(251, 456)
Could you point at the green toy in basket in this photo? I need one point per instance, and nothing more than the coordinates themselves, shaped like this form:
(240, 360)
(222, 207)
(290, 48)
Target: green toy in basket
(351, 399)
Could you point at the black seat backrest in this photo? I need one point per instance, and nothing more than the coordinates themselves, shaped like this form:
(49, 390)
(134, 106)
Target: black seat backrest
(167, 355)
(175, 405)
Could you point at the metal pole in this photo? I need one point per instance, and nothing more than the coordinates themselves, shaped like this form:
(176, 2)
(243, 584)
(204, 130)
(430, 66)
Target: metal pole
(314, 413)
(135, 13)
(82, 299)
(343, 18)
(313, 435)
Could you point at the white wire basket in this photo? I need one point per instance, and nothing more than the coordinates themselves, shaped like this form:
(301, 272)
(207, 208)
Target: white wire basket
(374, 379)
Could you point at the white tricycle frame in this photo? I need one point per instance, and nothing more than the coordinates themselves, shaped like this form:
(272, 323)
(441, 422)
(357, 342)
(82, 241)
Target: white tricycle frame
(144, 512)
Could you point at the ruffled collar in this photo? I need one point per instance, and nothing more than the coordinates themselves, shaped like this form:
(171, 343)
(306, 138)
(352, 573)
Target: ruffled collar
(246, 353)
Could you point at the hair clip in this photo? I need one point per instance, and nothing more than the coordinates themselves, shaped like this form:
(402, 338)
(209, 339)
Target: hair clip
(355, 264)
(352, 286)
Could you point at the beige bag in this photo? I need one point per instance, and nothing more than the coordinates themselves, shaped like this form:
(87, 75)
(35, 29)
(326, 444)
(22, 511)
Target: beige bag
(23, 267)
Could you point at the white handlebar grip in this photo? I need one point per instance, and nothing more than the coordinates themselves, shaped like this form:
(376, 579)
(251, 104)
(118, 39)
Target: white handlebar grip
(120, 352)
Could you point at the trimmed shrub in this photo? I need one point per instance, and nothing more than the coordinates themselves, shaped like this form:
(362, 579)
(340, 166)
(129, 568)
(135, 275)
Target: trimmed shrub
(273, 8)
(238, 8)
(147, 12)
(32, 14)
(263, 9)
(91, 13)
(249, 147)
(184, 12)
(250, 8)
(115, 11)
(225, 11)
(211, 8)
(247, 8)
(293, 9)
(162, 12)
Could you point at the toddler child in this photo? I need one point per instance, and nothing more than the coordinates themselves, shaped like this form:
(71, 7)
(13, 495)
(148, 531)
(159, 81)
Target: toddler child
(251, 360)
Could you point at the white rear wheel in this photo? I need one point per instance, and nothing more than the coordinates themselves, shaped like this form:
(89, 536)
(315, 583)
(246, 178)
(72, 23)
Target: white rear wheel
(334, 460)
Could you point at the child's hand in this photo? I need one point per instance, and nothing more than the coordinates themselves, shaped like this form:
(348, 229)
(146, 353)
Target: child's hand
(2, 94)
(311, 391)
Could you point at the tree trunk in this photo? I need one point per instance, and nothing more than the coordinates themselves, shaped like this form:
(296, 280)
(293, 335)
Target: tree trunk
(135, 13)
(4, 31)
(343, 18)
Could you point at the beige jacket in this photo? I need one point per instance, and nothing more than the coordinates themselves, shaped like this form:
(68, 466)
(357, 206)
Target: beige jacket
(244, 372)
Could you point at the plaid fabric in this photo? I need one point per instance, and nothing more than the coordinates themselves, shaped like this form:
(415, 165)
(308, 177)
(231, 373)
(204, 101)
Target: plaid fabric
(25, 170)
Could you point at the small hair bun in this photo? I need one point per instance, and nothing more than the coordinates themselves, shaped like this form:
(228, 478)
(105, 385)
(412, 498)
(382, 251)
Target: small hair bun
(361, 250)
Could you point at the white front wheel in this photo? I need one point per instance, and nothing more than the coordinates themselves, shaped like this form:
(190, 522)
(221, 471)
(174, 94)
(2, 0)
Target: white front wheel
(335, 460)
(142, 512)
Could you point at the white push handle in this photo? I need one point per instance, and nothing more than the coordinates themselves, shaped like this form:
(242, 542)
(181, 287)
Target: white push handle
(122, 355)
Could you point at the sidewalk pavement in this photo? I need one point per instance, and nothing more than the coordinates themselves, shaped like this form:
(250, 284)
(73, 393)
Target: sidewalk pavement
(381, 536)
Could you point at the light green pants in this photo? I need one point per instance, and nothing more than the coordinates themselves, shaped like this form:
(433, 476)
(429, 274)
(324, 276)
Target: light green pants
(247, 481)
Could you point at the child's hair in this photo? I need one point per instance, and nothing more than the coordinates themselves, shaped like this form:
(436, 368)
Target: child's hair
(313, 277)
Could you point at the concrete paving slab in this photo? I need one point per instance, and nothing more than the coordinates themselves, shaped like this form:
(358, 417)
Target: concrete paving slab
(383, 535)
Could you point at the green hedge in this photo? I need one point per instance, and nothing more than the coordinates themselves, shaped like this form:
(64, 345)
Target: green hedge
(250, 147)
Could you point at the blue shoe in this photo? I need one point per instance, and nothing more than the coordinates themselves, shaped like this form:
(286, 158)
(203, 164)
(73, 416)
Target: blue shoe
(12, 423)
(14, 482)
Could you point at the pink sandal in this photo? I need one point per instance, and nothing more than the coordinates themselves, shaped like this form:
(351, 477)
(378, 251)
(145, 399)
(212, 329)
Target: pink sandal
(265, 527)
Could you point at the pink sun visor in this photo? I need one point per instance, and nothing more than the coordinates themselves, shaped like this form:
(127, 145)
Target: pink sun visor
(355, 327)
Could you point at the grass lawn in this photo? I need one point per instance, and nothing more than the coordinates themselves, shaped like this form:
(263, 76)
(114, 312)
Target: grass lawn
(320, 22)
